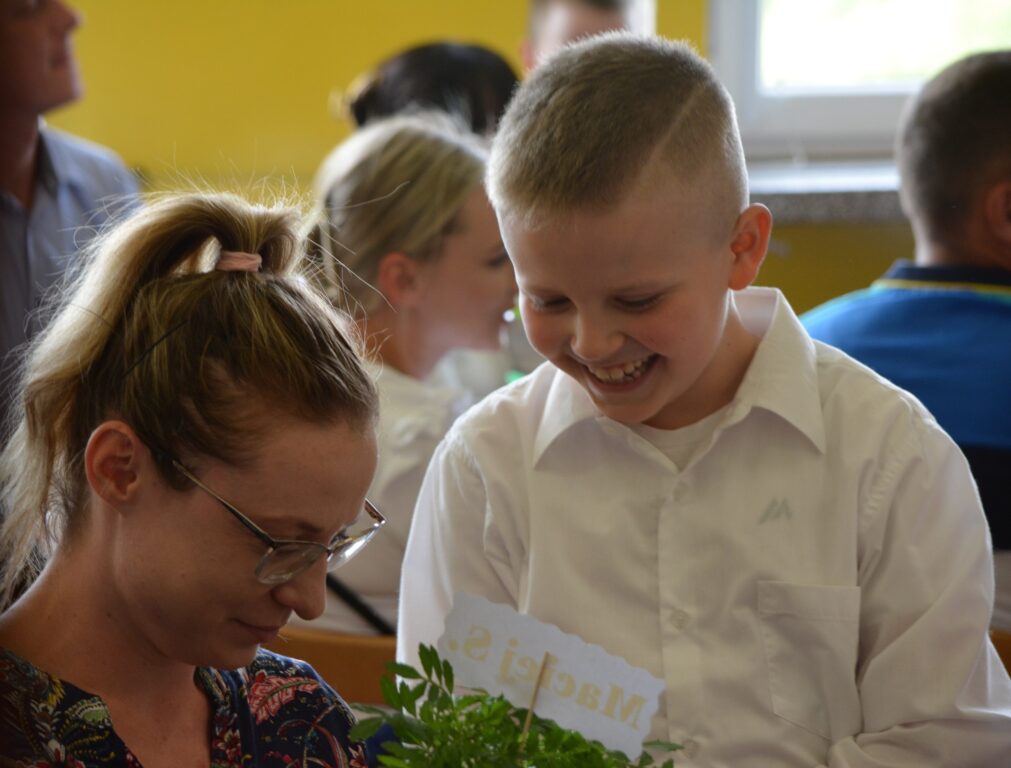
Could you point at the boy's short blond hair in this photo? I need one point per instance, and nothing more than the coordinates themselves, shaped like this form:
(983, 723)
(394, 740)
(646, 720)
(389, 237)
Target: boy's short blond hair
(580, 130)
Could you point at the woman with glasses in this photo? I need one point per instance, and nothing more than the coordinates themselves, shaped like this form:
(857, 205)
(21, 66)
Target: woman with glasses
(195, 444)
(409, 238)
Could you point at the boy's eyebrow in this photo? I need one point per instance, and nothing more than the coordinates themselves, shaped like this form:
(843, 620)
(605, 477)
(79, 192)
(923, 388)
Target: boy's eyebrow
(526, 288)
(639, 287)
(650, 286)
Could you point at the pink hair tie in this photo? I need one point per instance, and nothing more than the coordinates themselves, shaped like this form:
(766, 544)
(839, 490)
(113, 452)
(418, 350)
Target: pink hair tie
(237, 261)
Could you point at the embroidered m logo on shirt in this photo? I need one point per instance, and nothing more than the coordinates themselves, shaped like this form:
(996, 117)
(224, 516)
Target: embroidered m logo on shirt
(777, 509)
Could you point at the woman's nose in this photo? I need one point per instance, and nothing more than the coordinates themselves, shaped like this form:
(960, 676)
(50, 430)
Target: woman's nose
(305, 594)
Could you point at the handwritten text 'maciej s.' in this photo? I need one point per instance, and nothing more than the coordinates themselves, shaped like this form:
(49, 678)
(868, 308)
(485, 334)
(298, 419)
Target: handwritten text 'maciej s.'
(582, 686)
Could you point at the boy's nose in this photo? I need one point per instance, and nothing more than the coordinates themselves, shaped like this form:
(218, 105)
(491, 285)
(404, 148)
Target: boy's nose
(592, 341)
(306, 593)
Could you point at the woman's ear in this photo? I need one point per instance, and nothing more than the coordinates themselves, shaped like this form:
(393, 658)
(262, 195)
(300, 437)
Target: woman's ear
(749, 245)
(112, 462)
(398, 279)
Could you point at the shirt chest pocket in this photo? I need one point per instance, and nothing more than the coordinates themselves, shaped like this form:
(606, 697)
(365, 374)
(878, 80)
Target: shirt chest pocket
(810, 636)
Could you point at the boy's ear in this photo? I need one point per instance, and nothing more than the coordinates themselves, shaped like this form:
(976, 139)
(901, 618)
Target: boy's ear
(997, 210)
(750, 242)
(112, 462)
(398, 279)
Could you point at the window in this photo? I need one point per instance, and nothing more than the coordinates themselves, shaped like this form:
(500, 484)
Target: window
(827, 79)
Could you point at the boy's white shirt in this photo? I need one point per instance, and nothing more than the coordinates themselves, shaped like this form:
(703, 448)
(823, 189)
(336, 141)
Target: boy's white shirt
(815, 588)
(413, 417)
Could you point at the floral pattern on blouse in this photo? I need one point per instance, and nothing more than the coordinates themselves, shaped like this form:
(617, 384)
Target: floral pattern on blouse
(275, 713)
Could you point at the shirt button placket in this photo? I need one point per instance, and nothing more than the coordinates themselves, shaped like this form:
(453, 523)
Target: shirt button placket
(680, 658)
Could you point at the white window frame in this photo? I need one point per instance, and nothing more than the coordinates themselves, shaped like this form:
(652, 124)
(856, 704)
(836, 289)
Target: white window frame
(802, 126)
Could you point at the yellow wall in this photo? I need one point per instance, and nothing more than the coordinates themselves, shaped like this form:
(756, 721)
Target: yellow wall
(811, 263)
(232, 93)
(683, 19)
(234, 90)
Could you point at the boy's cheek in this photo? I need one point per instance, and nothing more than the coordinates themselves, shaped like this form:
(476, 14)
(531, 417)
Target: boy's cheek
(540, 333)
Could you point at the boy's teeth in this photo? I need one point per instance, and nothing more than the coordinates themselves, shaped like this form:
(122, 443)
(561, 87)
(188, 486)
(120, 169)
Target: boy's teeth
(618, 373)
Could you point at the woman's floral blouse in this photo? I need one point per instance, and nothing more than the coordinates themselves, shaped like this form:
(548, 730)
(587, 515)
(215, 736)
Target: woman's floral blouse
(275, 712)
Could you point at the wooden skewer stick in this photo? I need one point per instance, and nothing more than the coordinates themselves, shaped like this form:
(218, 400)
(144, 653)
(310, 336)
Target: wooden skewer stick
(533, 699)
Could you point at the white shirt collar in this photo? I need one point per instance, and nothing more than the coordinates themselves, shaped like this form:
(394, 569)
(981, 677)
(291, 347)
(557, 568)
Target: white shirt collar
(782, 377)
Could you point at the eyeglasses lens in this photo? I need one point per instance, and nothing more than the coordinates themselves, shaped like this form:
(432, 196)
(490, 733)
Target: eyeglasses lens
(349, 550)
(287, 561)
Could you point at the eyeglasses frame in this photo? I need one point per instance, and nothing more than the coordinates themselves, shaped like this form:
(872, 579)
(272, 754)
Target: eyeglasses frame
(273, 544)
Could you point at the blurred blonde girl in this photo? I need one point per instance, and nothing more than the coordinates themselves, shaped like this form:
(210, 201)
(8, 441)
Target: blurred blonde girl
(410, 237)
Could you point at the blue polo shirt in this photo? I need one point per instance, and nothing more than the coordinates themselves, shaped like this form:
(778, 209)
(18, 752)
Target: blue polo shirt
(943, 334)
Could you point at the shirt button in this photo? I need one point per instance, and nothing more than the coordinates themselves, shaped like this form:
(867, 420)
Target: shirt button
(690, 748)
(679, 618)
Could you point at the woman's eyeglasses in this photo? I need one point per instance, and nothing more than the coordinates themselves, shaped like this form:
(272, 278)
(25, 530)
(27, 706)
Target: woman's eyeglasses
(287, 558)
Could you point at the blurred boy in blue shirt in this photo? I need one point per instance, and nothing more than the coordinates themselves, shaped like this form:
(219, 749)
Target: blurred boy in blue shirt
(940, 327)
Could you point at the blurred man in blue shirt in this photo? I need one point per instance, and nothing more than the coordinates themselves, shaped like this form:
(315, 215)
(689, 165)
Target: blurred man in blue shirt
(941, 327)
(55, 190)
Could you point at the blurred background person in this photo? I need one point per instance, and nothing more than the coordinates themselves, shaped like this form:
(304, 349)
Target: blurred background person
(470, 81)
(940, 326)
(56, 190)
(475, 84)
(556, 23)
(410, 238)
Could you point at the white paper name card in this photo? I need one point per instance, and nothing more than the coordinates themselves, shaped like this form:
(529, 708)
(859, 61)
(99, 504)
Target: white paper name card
(584, 688)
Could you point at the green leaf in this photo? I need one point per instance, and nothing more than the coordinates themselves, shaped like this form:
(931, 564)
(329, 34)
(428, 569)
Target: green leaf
(668, 746)
(390, 693)
(411, 698)
(476, 730)
(406, 671)
(447, 675)
(398, 749)
(366, 728)
(393, 762)
(428, 657)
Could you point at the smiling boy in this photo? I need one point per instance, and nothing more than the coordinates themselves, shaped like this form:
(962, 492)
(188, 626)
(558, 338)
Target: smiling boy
(787, 540)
